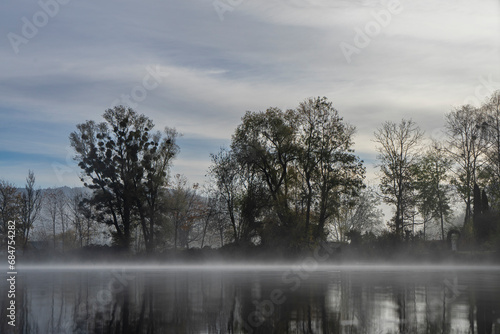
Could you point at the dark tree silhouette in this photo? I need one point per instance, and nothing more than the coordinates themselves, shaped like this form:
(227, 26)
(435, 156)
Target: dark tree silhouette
(126, 165)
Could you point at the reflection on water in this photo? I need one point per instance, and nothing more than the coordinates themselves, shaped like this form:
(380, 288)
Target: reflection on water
(256, 301)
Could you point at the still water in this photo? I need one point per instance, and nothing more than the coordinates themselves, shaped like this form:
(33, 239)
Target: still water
(260, 299)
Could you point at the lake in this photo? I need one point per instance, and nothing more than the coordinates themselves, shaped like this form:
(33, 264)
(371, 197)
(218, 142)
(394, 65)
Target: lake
(305, 298)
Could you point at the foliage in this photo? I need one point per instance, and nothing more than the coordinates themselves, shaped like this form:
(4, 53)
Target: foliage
(491, 169)
(126, 165)
(398, 154)
(330, 172)
(286, 173)
(466, 146)
(433, 190)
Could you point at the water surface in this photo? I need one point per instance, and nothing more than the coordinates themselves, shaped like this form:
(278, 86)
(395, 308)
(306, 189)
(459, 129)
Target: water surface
(256, 299)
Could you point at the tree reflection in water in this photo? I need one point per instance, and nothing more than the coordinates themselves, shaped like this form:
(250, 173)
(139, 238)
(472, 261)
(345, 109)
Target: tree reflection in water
(246, 302)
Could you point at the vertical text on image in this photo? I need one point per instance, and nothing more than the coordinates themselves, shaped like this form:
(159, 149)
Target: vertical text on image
(11, 274)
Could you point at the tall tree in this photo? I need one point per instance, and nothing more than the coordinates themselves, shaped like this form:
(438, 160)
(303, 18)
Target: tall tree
(156, 163)
(31, 204)
(239, 195)
(492, 122)
(51, 199)
(484, 221)
(297, 165)
(433, 187)
(124, 163)
(77, 216)
(466, 146)
(398, 153)
(10, 206)
(265, 142)
(182, 202)
(226, 175)
(88, 213)
(326, 162)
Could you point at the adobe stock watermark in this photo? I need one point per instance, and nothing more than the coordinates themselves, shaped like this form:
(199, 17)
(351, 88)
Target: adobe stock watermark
(310, 3)
(351, 326)
(452, 290)
(151, 80)
(363, 36)
(30, 26)
(223, 6)
(485, 89)
(103, 298)
(292, 279)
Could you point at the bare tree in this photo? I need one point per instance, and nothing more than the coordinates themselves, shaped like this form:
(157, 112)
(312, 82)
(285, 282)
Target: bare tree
(75, 215)
(80, 217)
(398, 153)
(62, 203)
(51, 198)
(89, 224)
(466, 146)
(10, 206)
(359, 214)
(183, 210)
(30, 209)
(57, 205)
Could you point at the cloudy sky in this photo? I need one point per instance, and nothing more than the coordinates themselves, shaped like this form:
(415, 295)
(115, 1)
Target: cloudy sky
(198, 65)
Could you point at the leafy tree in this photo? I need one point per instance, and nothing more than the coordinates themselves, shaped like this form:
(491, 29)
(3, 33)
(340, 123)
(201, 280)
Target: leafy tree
(466, 145)
(398, 153)
(485, 221)
(492, 167)
(156, 164)
(126, 165)
(265, 142)
(326, 162)
(432, 187)
(287, 171)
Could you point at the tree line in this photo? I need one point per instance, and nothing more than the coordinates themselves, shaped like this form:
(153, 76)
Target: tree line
(289, 178)
(65, 219)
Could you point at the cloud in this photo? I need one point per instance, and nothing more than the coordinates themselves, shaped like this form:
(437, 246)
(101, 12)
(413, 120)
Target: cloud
(430, 58)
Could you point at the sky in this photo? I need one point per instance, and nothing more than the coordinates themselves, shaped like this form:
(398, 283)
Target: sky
(198, 65)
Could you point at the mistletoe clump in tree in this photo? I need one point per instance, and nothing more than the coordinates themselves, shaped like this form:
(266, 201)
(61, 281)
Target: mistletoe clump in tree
(126, 165)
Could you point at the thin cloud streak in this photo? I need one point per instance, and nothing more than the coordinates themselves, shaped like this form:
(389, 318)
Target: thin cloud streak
(430, 58)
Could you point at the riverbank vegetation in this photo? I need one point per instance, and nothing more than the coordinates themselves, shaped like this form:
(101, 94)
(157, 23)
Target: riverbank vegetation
(289, 181)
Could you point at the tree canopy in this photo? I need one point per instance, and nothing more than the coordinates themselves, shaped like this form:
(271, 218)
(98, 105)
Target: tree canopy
(126, 165)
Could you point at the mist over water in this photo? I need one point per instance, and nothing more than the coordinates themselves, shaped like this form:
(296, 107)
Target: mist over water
(256, 298)
(306, 266)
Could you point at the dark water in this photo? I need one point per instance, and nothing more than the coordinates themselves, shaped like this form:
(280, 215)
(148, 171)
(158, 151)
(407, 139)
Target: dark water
(215, 299)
